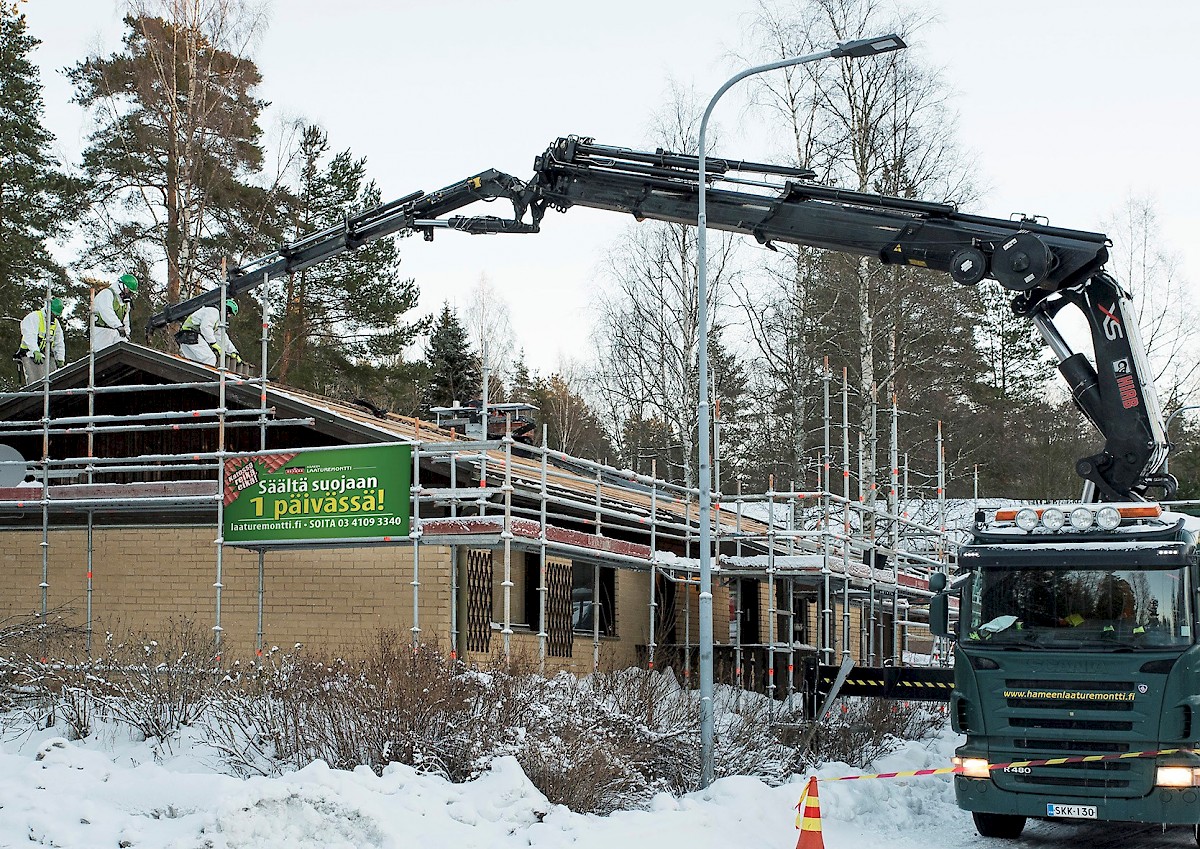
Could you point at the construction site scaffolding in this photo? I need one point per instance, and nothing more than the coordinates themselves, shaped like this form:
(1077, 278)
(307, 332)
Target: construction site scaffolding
(816, 543)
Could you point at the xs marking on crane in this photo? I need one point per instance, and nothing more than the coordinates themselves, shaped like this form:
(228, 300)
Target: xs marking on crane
(1112, 324)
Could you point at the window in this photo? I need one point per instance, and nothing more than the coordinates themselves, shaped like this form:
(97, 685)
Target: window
(586, 606)
(1038, 606)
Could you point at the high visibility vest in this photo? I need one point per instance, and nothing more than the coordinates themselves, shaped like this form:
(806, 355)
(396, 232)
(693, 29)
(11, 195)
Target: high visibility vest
(119, 307)
(41, 314)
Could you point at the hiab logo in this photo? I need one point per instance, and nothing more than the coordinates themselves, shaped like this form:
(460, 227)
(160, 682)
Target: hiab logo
(1112, 324)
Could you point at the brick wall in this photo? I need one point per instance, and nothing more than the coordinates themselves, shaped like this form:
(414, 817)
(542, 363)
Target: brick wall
(330, 599)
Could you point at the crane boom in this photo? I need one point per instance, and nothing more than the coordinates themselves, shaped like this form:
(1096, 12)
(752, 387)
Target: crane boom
(1046, 267)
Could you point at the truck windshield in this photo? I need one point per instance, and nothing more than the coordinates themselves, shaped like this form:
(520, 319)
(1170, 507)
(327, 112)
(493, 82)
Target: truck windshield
(1047, 608)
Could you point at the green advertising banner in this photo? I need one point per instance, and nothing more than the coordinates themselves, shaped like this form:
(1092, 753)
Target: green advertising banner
(354, 494)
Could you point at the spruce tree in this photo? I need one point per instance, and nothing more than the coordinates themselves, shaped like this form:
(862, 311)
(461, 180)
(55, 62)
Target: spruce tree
(454, 369)
(35, 195)
(347, 312)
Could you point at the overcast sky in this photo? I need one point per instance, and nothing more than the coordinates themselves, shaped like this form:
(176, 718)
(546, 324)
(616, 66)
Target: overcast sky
(1066, 107)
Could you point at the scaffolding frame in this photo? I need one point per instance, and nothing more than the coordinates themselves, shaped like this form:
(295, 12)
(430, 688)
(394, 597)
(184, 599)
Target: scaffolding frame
(801, 553)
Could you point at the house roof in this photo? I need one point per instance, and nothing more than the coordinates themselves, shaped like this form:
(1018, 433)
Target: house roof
(580, 489)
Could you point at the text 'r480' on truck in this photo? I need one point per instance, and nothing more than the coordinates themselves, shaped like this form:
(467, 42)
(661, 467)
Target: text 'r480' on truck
(1076, 671)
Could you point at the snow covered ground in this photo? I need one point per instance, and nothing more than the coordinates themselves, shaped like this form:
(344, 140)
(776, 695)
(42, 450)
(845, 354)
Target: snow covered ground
(110, 792)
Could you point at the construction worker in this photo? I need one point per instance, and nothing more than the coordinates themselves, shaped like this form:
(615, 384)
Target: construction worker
(32, 355)
(110, 312)
(198, 339)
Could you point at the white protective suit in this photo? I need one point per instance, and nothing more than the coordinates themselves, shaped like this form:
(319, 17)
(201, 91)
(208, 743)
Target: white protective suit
(33, 338)
(204, 321)
(110, 317)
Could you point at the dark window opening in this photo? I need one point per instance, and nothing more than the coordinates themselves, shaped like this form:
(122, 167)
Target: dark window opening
(586, 606)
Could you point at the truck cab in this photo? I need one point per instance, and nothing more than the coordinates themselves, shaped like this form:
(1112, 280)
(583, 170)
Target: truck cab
(1076, 669)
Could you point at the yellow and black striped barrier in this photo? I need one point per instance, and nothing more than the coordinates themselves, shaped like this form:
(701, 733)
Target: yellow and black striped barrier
(916, 683)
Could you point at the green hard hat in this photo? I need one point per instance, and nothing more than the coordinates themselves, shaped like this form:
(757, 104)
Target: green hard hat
(56, 306)
(129, 282)
(231, 306)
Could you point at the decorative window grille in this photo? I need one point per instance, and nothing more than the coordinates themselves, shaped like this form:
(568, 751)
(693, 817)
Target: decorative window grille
(479, 600)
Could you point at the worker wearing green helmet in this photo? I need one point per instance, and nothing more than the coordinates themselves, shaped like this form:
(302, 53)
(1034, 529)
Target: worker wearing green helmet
(203, 336)
(110, 312)
(41, 342)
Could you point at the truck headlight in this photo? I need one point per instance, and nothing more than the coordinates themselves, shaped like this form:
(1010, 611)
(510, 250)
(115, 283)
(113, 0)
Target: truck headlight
(1027, 519)
(1082, 518)
(1108, 518)
(1177, 776)
(1053, 519)
(971, 767)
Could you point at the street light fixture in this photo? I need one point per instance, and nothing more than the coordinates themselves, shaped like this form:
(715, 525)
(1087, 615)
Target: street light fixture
(850, 50)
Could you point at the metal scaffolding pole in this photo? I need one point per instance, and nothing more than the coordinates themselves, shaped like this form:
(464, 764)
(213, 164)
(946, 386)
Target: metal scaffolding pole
(826, 647)
(262, 446)
(772, 613)
(414, 533)
(91, 457)
(507, 631)
(455, 648)
(735, 588)
(48, 358)
(542, 633)
(871, 528)
(894, 507)
(218, 585)
(652, 643)
(845, 515)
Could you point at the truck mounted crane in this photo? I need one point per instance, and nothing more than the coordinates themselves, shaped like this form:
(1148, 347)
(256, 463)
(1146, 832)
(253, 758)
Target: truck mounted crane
(1075, 656)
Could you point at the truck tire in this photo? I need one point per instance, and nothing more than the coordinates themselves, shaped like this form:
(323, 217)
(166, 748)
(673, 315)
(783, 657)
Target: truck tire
(1008, 826)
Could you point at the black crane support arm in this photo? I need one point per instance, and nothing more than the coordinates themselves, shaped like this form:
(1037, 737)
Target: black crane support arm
(415, 212)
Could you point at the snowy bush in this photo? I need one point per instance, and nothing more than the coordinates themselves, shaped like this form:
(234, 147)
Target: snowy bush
(860, 731)
(597, 743)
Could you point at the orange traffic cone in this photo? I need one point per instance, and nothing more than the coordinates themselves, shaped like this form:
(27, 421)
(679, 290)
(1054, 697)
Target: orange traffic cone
(808, 820)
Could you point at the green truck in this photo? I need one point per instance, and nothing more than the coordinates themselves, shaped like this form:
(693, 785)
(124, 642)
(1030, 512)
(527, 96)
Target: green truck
(1076, 669)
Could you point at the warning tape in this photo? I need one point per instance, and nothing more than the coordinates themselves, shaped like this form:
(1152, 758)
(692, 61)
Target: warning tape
(909, 774)
(1074, 759)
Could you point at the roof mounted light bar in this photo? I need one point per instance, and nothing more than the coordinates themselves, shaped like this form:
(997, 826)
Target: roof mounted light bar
(1083, 517)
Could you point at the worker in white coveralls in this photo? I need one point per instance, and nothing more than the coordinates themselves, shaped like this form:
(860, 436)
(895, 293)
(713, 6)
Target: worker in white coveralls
(202, 339)
(33, 357)
(110, 312)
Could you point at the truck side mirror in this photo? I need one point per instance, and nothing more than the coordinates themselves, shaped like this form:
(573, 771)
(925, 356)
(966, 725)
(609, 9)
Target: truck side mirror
(939, 613)
(937, 582)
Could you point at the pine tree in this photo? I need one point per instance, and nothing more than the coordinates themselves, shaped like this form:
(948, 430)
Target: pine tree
(175, 147)
(35, 195)
(346, 312)
(454, 371)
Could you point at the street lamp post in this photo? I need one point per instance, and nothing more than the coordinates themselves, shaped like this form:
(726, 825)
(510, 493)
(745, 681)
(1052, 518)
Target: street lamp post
(850, 49)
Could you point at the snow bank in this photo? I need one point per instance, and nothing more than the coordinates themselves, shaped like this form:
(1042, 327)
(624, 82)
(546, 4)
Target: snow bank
(108, 791)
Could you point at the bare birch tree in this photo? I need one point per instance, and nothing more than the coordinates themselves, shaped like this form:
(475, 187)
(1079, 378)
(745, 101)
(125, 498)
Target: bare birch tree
(648, 336)
(877, 126)
(1167, 309)
(489, 320)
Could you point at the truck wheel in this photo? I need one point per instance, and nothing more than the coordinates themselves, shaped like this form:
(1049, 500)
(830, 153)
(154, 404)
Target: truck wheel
(1008, 826)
